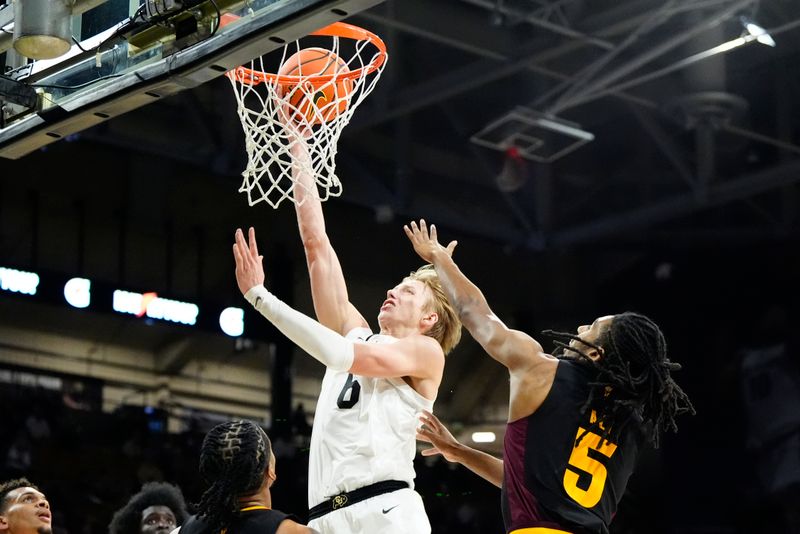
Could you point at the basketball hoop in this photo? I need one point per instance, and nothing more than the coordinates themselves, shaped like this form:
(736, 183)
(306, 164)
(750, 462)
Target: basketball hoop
(279, 110)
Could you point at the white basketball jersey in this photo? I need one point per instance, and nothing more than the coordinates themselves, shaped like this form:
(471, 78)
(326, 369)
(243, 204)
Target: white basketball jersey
(364, 430)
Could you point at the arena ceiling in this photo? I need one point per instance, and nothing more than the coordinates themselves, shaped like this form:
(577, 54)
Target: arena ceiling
(689, 138)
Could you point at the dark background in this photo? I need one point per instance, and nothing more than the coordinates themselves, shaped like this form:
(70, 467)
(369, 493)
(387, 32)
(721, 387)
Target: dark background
(686, 212)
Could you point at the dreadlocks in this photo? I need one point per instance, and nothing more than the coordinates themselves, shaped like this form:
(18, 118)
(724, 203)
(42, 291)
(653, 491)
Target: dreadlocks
(128, 519)
(233, 458)
(633, 378)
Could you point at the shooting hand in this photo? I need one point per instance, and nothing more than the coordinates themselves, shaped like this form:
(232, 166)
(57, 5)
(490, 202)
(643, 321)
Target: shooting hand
(249, 268)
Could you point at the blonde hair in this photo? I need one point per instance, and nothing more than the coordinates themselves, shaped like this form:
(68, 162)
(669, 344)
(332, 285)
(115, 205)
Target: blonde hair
(447, 330)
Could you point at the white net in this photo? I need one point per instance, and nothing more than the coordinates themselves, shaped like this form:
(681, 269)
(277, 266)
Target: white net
(307, 101)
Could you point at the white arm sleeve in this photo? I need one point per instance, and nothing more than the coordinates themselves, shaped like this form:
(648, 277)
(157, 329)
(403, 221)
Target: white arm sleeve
(327, 346)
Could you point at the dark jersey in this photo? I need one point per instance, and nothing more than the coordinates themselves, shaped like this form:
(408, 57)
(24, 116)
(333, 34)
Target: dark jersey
(551, 481)
(254, 520)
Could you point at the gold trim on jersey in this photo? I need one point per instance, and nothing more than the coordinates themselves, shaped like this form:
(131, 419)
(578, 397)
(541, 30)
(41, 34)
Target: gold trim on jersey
(538, 530)
(256, 507)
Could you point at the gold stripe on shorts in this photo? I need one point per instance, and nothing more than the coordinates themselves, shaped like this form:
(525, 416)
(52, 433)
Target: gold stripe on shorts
(538, 530)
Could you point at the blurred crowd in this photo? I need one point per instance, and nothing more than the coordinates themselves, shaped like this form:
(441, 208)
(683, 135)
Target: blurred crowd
(89, 463)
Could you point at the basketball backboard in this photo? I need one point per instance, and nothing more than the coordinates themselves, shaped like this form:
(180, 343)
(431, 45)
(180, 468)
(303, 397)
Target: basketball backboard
(536, 136)
(131, 54)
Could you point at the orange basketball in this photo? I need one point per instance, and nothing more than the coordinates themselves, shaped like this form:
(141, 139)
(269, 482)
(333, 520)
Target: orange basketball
(313, 102)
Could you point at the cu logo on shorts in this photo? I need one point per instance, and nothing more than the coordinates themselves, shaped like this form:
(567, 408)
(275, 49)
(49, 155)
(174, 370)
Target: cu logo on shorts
(339, 501)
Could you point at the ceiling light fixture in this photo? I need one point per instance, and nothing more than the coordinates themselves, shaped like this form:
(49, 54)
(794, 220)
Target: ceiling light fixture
(42, 28)
(754, 30)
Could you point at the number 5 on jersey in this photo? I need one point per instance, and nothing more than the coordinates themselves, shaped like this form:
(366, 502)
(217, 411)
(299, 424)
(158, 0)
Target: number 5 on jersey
(581, 460)
(348, 397)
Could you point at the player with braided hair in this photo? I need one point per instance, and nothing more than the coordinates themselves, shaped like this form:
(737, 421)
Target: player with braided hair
(237, 462)
(157, 508)
(577, 421)
(633, 378)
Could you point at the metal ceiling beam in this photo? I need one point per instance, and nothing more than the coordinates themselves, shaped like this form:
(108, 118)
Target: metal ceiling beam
(583, 78)
(665, 144)
(678, 205)
(481, 72)
(642, 59)
(492, 5)
(423, 18)
(638, 10)
(755, 136)
(683, 63)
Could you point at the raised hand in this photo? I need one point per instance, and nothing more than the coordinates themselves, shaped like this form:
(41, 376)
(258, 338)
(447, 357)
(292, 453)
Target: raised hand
(249, 268)
(434, 432)
(426, 244)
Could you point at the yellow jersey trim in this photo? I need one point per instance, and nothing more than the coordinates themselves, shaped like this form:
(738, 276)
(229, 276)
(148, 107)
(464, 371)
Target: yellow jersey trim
(257, 507)
(538, 530)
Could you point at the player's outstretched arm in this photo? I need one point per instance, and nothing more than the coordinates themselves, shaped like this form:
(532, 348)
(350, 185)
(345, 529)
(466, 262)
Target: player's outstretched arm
(482, 464)
(417, 356)
(328, 288)
(327, 346)
(514, 349)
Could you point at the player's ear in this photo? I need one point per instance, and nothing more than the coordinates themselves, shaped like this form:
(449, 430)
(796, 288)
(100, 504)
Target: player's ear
(272, 476)
(3, 523)
(595, 354)
(428, 320)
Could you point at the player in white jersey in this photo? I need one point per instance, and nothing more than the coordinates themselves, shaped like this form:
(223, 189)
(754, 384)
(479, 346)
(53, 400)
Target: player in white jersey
(364, 433)
(347, 456)
(363, 440)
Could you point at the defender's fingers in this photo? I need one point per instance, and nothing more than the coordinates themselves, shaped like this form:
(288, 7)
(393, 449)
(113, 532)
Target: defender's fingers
(431, 424)
(434, 235)
(429, 416)
(430, 452)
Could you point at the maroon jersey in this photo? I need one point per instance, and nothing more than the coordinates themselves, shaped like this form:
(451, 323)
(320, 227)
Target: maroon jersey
(550, 479)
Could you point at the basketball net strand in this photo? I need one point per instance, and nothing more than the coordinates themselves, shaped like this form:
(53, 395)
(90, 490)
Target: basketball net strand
(269, 137)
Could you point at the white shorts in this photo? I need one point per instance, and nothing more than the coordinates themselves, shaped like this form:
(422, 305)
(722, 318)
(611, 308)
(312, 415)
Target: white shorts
(397, 512)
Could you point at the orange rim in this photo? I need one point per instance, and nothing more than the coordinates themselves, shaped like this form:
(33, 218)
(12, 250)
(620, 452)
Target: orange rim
(337, 29)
